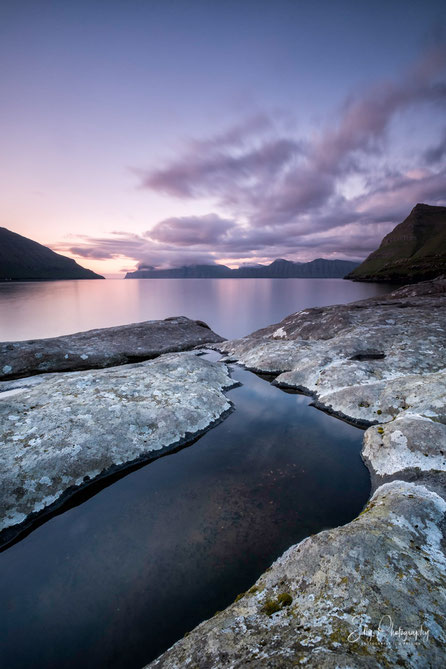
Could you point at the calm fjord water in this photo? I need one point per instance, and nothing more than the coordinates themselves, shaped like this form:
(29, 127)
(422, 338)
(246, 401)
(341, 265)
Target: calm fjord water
(231, 307)
(115, 580)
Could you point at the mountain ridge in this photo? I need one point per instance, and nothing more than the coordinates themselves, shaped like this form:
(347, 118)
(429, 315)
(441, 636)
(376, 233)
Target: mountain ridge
(278, 269)
(415, 250)
(22, 259)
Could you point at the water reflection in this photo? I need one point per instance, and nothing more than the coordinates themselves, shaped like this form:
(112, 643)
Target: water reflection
(232, 307)
(115, 581)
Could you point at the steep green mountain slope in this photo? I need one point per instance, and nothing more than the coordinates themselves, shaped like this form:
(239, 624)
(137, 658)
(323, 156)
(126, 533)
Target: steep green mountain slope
(414, 251)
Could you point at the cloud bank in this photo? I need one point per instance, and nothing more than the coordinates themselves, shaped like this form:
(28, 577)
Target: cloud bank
(334, 192)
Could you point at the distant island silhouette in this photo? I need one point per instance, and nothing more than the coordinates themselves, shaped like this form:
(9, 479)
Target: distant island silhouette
(278, 269)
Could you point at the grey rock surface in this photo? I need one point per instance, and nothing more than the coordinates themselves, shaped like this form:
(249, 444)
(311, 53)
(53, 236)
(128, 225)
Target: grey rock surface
(409, 395)
(103, 348)
(367, 361)
(409, 448)
(371, 593)
(66, 429)
(406, 443)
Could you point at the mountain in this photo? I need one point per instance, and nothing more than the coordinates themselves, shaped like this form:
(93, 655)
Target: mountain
(279, 269)
(414, 251)
(22, 259)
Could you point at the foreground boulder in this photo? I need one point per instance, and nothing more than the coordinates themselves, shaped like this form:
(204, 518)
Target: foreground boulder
(61, 431)
(103, 348)
(371, 593)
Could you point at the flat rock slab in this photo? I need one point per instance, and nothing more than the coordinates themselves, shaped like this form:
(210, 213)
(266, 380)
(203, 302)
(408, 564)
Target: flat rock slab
(377, 361)
(408, 395)
(354, 359)
(406, 443)
(71, 428)
(411, 448)
(370, 594)
(103, 348)
(369, 362)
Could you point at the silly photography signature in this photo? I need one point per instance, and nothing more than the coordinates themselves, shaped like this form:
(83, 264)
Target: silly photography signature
(386, 629)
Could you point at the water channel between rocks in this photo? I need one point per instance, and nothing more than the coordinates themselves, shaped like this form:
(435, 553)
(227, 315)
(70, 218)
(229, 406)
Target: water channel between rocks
(116, 580)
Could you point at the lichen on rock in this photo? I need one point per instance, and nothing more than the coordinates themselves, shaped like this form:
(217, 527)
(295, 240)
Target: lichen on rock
(105, 347)
(60, 430)
(359, 594)
(371, 593)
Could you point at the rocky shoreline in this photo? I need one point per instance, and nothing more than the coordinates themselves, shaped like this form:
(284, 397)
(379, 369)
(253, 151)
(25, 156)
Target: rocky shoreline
(106, 347)
(371, 593)
(60, 432)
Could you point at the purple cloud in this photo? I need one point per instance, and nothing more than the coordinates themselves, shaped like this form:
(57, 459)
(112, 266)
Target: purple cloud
(217, 170)
(280, 179)
(436, 153)
(336, 193)
(191, 230)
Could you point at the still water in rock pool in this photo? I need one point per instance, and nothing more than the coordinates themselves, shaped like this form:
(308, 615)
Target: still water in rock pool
(117, 579)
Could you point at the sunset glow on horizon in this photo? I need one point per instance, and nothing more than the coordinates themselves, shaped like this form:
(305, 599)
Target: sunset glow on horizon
(175, 133)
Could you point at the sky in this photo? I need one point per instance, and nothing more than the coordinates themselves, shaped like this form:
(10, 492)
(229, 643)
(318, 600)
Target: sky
(160, 133)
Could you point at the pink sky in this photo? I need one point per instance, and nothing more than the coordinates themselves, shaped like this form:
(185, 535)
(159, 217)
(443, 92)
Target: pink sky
(145, 137)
